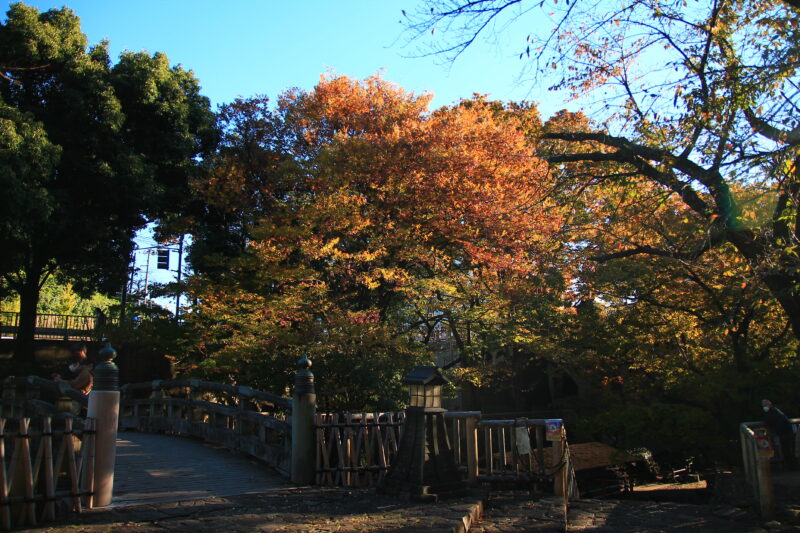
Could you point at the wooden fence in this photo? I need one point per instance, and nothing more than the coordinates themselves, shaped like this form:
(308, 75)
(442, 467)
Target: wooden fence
(240, 418)
(45, 471)
(757, 458)
(355, 450)
(50, 326)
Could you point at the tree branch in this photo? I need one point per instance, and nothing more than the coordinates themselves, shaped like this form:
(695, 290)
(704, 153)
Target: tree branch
(769, 131)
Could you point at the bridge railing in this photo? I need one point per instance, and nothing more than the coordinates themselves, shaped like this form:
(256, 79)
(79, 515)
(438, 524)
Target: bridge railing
(52, 326)
(757, 453)
(242, 419)
(26, 396)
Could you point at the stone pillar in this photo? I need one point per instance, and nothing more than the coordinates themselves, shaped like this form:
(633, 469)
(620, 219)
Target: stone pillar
(104, 408)
(304, 409)
(766, 494)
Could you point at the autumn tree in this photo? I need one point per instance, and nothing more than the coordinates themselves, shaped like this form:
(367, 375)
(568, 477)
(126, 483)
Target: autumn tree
(701, 98)
(89, 153)
(361, 220)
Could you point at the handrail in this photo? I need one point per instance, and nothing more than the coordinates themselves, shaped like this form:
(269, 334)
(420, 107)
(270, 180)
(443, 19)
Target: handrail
(757, 453)
(240, 418)
(235, 393)
(48, 325)
(23, 396)
(56, 387)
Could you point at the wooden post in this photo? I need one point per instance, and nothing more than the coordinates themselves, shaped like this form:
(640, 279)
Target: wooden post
(47, 470)
(304, 408)
(472, 449)
(104, 408)
(5, 508)
(87, 465)
(26, 475)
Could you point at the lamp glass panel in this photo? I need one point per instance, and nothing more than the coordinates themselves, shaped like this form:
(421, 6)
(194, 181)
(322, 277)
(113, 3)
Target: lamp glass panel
(437, 396)
(417, 395)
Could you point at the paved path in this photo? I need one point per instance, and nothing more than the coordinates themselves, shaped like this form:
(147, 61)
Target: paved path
(158, 468)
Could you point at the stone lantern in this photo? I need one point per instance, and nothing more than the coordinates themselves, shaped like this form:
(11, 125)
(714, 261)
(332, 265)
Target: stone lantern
(424, 467)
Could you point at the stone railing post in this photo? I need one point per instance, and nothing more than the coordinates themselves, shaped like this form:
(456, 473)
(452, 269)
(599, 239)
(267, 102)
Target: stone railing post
(765, 487)
(304, 407)
(104, 408)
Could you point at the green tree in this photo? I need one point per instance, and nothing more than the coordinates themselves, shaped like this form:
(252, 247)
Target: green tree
(90, 152)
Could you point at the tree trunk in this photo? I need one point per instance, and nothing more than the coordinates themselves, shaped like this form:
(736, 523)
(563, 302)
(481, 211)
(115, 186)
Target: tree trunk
(29, 301)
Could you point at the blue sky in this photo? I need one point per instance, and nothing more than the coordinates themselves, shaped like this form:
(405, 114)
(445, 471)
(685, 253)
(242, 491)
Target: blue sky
(247, 47)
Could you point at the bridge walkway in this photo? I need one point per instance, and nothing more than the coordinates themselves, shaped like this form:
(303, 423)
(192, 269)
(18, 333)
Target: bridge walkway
(153, 468)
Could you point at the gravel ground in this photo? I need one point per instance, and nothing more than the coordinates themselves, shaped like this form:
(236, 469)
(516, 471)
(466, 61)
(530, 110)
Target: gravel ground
(285, 510)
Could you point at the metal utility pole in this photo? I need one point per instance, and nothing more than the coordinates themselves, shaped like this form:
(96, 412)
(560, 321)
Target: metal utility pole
(180, 266)
(128, 281)
(147, 278)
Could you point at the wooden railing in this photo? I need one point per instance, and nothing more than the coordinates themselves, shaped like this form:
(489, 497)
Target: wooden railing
(506, 450)
(355, 450)
(242, 419)
(46, 467)
(50, 326)
(757, 452)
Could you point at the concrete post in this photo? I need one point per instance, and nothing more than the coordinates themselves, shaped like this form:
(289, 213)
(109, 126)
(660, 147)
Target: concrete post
(304, 408)
(104, 408)
(765, 488)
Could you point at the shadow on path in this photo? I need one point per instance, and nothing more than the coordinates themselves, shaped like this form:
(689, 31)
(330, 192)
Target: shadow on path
(159, 468)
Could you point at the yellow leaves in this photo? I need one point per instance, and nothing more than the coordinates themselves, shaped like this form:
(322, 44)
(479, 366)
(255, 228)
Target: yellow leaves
(394, 276)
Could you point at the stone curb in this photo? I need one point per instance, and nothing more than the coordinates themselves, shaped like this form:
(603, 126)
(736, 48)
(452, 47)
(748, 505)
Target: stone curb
(473, 514)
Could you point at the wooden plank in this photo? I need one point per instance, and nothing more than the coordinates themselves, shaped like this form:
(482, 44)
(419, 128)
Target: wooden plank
(540, 449)
(487, 433)
(87, 467)
(5, 509)
(69, 452)
(367, 450)
(46, 445)
(29, 508)
(340, 458)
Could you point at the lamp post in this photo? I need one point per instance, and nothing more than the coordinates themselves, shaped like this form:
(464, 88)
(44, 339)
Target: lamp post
(424, 466)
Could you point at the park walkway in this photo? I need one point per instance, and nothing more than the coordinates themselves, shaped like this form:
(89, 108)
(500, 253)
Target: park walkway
(152, 468)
